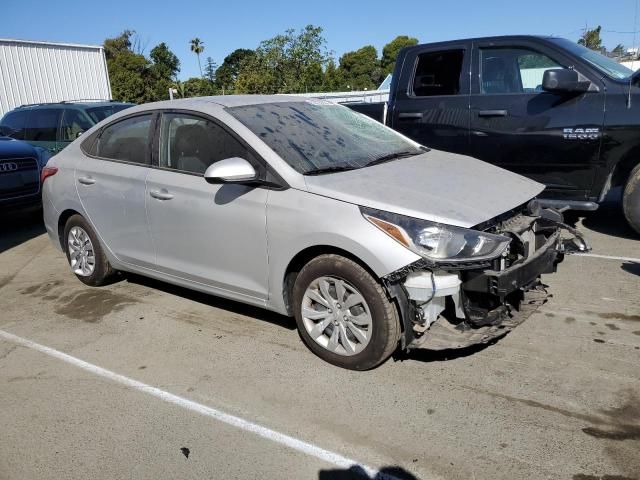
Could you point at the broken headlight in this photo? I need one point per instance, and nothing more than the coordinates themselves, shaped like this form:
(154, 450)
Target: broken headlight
(437, 241)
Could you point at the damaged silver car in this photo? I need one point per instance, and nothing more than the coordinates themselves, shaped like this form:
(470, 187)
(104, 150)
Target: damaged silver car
(371, 241)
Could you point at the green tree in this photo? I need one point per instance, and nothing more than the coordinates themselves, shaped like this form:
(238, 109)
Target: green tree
(198, 87)
(390, 52)
(227, 73)
(292, 62)
(333, 78)
(197, 47)
(163, 70)
(361, 69)
(128, 71)
(210, 68)
(591, 38)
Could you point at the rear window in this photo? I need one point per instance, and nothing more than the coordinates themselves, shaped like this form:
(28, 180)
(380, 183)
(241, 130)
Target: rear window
(126, 140)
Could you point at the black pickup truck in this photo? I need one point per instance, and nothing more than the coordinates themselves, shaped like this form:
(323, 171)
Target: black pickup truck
(543, 107)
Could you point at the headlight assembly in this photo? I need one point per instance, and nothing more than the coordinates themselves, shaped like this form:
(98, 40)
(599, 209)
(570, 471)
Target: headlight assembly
(436, 241)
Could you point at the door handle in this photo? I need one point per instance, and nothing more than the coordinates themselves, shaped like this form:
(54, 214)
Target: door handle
(492, 113)
(86, 180)
(161, 194)
(410, 116)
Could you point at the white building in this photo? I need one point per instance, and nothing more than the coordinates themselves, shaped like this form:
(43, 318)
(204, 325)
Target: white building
(41, 72)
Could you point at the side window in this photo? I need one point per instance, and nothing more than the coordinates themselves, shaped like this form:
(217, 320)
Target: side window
(127, 140)
(74, 122)
(438, 73)
(513, 70)
(190, 144)
(13, 124)
(43, 125)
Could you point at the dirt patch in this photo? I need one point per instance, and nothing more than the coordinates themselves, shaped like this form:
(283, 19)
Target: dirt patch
(616, 316)
(569, 320)
(611, 326)
(92, 305)
(41, 288)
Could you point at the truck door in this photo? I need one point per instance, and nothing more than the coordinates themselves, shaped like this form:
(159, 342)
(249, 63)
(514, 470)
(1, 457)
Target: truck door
(431, 98)
(552, 138)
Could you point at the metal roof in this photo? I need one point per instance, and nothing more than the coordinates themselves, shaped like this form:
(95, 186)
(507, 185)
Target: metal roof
(53, 44)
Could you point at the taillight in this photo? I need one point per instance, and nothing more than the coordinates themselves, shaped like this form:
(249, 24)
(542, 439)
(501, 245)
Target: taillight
(46, 173)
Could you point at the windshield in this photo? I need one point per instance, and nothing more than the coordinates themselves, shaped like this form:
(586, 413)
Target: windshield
(98, 114)
(606, 65)
(316, 136)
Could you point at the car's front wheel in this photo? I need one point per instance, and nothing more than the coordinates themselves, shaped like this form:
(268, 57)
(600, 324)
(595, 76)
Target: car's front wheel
(84, 252)
(343, 313)
(631, 199)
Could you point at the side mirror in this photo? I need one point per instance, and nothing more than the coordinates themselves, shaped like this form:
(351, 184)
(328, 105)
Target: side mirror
(563, 80)
(79, 134)
(230, 170)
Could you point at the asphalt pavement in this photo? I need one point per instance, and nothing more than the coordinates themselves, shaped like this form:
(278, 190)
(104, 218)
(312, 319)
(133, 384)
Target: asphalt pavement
(141, 379)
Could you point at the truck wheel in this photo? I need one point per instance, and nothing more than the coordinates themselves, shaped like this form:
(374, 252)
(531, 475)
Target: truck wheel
(343, 313)
(631, 199)
(84, 252)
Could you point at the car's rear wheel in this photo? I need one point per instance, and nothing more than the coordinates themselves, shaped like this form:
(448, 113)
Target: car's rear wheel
(84, 252)
(343, 313)
(631, 199)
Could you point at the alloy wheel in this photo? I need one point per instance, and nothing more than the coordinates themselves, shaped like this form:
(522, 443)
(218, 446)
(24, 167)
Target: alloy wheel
(81, 254)
(336, 316)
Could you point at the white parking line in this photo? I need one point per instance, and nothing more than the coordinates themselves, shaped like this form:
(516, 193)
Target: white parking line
(264, 432)
(608, 257)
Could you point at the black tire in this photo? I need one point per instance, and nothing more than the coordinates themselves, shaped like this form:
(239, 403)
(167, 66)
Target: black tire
(102, 272)
(631, 199)
(385, 324)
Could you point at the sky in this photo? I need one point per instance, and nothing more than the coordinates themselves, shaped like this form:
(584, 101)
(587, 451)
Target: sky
(348, 25)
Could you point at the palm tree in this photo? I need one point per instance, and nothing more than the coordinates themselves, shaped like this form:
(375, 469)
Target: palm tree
(197, 47)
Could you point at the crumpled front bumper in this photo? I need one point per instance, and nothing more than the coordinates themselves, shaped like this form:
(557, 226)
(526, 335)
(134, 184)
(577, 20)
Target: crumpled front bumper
(491, 301)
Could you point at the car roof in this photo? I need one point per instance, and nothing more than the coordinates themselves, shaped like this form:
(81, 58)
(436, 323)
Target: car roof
(225, 101)
(80, 104)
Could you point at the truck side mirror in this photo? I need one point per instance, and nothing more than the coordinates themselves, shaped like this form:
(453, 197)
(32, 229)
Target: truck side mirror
(563, 80)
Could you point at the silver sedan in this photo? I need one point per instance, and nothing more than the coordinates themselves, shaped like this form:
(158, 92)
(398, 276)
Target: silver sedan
(370, 240)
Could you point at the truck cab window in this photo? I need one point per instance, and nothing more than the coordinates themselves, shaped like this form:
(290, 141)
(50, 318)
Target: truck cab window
(513, 70)
(438, 73)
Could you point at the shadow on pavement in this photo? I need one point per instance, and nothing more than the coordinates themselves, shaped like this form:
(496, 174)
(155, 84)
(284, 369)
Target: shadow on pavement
(214, 301)
(608, 219)
(631, 267)
(428, 356)
(18, 227)
(357, 473)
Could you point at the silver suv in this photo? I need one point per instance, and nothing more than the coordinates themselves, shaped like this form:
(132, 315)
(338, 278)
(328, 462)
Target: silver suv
(370, 240)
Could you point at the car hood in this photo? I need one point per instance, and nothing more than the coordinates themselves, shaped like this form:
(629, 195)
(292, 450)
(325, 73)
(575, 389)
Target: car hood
(437, 186)
(11, 148)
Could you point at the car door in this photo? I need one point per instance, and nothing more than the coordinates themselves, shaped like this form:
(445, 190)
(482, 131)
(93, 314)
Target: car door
(110, 180)
(431, 103)
(209, 234)
(552, 138)
(41, 129)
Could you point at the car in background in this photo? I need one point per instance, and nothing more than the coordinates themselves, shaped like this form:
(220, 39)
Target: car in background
(21, 167)
(370, 240)
(53, 126)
